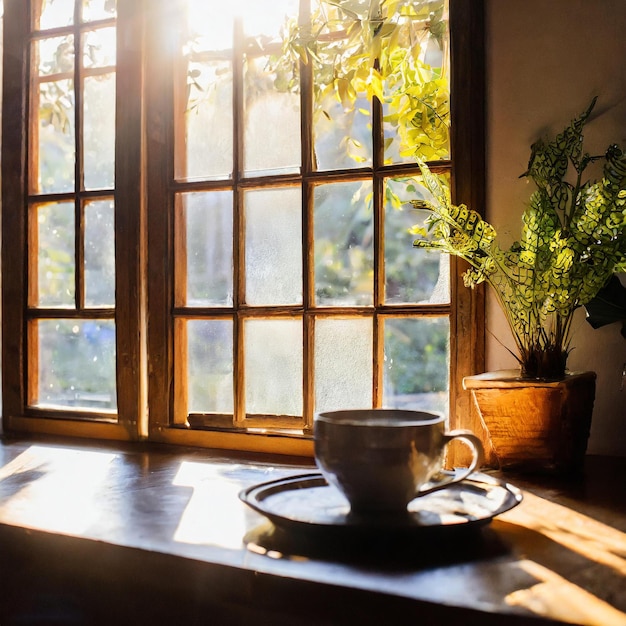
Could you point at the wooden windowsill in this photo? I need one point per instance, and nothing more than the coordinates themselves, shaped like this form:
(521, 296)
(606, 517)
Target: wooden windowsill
(120, 533)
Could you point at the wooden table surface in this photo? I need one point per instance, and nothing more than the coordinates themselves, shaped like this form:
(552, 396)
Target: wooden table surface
(146, 534)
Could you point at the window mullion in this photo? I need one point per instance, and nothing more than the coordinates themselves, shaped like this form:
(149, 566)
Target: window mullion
(130, 218)
(467, 321)
(378, 207)
(79, 226)
(158, 92)
(79, 252)
(379, 286)
(306, 100)
(14, 207)
(308, 166)
(239, 226)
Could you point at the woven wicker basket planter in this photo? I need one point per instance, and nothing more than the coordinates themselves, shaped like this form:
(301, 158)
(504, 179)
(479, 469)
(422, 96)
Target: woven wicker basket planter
(534, 425)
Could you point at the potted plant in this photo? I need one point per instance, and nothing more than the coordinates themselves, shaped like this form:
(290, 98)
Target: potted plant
(572, 241)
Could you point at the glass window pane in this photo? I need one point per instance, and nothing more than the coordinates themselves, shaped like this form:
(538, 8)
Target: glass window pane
(99, 47)
(55, 55)
(99, 131)
(56, 150)
(344, 250)
(99, 254)
(265, 21)
(271, 90)
(273, 246)
(98, 10)
(343, 138)
(416, 373)
(271, 122)
(343, 364)
(416, 106)
(55, 14)
(273, 367)
(342, 124)
(207, 140)
(210, 27)
(209, 238)
(77, 364)
(412, 275)
(210, 366)
(55, 255)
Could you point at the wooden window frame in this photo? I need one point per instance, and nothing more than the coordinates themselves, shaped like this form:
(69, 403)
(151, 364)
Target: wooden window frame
(145, 351)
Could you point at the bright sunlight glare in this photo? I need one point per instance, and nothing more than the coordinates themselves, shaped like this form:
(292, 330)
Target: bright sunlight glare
(61, 493)
(214, 514)
(55, 13)
(212, 20)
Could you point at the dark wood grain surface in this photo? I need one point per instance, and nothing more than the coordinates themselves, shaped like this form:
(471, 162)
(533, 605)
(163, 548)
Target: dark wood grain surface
(132, 534)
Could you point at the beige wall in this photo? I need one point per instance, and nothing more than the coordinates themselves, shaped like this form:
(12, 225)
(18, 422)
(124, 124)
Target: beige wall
(546, 59)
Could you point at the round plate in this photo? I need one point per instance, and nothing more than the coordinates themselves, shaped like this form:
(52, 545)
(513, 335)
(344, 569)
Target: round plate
(309, 502)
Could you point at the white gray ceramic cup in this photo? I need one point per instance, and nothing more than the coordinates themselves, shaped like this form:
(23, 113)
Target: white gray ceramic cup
(381, 459)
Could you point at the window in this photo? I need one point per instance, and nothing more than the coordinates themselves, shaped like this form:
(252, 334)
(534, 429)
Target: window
(205, 236)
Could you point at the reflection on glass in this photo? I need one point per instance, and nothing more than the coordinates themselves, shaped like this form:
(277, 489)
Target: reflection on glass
(210, 366)
(343, 363)
(99, 47)
(412, 275)
(55, 255)
(207, 141)
(273, 367)
(344, 252)
(56, 150)
(271, 122)
(416, 371)
(98, 10)
(273, 246)
(55, 14)
(209, 253)
(99, 254)
(77, 364)
(99, 131)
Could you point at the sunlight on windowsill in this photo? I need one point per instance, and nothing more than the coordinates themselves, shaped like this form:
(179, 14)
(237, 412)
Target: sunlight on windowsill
(554, 596)
(214, 514)
(576, 532)
(560, 553)
(56, 488)
(557, 598)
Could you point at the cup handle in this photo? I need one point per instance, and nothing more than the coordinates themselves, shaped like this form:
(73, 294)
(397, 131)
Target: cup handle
(475, 444)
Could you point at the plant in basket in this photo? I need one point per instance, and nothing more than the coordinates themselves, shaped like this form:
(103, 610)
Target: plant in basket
(572, 243)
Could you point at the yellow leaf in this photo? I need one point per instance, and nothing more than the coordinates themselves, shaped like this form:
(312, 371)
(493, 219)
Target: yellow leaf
(377, 85)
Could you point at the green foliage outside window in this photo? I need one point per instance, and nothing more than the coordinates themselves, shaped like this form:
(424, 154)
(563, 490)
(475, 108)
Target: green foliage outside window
(393, 51)
(377, 49)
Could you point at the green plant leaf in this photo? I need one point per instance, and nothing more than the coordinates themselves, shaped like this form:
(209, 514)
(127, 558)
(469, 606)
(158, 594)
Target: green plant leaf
(572, 241)
(608, 306)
